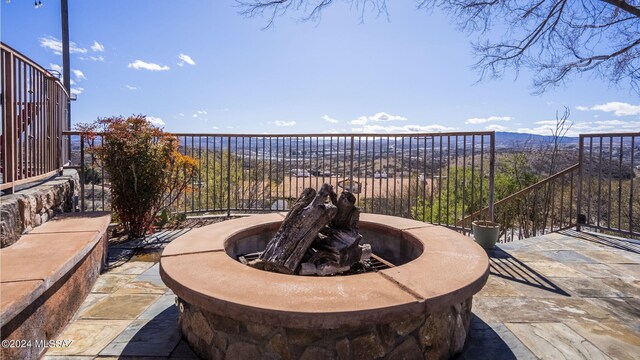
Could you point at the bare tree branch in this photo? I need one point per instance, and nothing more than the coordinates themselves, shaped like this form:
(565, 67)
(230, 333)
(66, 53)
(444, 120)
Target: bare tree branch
(553, 38)
(633, 10)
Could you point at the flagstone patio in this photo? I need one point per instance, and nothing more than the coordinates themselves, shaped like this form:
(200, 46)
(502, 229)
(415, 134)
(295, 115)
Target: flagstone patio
(573, 295)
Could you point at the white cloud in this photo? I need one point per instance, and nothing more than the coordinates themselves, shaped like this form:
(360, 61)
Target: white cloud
(285, 123)
(495, 127)
(336, 131)
(185, 59)
(97, 58)
(131, 87)
(379, 117)
(199, 112)
(613, 123)
(155, 120)
(97, 47)
(78, 74)
(402, 129)
(76, 90)
(546, 127)
(616, 107)
(547, 122)
(56, 67)
(329, 119)
(54, 44)
(181, 114)
(139, 64)
(214, 127)
(229, 127)
(486, 120)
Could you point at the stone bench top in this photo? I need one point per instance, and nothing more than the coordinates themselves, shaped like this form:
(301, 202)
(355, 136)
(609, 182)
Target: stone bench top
(43, 256)
(450, 269)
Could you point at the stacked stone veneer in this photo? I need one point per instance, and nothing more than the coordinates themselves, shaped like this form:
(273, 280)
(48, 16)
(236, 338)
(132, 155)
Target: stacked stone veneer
(28, 208)
(438, 335)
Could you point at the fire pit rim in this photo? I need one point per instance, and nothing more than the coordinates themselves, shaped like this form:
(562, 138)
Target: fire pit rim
(199, 271)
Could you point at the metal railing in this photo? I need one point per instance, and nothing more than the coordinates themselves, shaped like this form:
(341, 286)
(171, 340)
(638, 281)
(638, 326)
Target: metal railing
(34, 115)
(609, 191)
(547, 206)
(438, 178)
(445, 179)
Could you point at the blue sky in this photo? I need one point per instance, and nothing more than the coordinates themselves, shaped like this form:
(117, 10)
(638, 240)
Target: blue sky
(199, 66)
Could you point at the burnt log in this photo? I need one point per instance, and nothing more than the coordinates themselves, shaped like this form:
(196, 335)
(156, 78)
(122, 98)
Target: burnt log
(338, 245)
(348, 214)
(301, 226)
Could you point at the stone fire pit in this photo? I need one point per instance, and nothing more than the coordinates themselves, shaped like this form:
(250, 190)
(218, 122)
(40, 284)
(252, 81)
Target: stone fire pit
(418, 308)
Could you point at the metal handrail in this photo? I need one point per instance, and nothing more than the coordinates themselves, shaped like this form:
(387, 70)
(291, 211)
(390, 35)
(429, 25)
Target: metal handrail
(321, 135)
(548, 205)
(522, 192)
(31, 63)
(34, 114)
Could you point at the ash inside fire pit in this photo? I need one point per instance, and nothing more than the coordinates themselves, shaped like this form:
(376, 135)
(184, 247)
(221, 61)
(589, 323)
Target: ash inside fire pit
(319, 236)
(374, 264)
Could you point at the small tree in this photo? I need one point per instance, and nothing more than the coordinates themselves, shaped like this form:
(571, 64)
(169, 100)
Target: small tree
(146, 170)
(91, 175)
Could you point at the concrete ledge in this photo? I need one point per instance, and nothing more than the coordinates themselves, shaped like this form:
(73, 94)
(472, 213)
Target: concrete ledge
(34, 206)
(46, 275)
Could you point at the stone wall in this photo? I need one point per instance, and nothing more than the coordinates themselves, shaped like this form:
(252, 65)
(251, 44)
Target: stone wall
(439, 335)
(31, 207)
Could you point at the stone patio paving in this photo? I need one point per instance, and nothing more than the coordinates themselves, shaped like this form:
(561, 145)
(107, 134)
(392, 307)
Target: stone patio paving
(570, 295)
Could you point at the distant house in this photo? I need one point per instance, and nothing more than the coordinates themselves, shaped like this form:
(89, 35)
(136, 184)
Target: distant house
(380, 175)
(300, 173)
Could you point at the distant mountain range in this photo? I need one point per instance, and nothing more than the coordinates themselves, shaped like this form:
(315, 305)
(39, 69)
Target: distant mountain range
(504, 140)
(509, 139)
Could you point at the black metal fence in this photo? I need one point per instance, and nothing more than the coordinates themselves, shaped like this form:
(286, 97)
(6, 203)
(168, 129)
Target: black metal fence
(439, 178)
(609, 190)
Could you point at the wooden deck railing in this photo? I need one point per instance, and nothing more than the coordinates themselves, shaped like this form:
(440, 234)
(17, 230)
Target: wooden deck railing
(34, 114)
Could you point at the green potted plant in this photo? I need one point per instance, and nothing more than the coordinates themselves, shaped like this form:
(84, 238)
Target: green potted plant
(486, 233)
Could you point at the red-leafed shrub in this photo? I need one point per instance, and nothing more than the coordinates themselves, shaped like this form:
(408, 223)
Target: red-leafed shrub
(145, 168)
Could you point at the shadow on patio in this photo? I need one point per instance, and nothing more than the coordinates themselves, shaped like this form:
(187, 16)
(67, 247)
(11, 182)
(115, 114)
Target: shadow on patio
(571, 294)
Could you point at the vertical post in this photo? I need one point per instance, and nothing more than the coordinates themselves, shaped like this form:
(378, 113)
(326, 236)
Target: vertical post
(228, 175)
(580, 170)
(492, 160)
(58, 115)
(631, 225)
(351, 167)
(82, 173)
(8, 121)
(66, 69)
